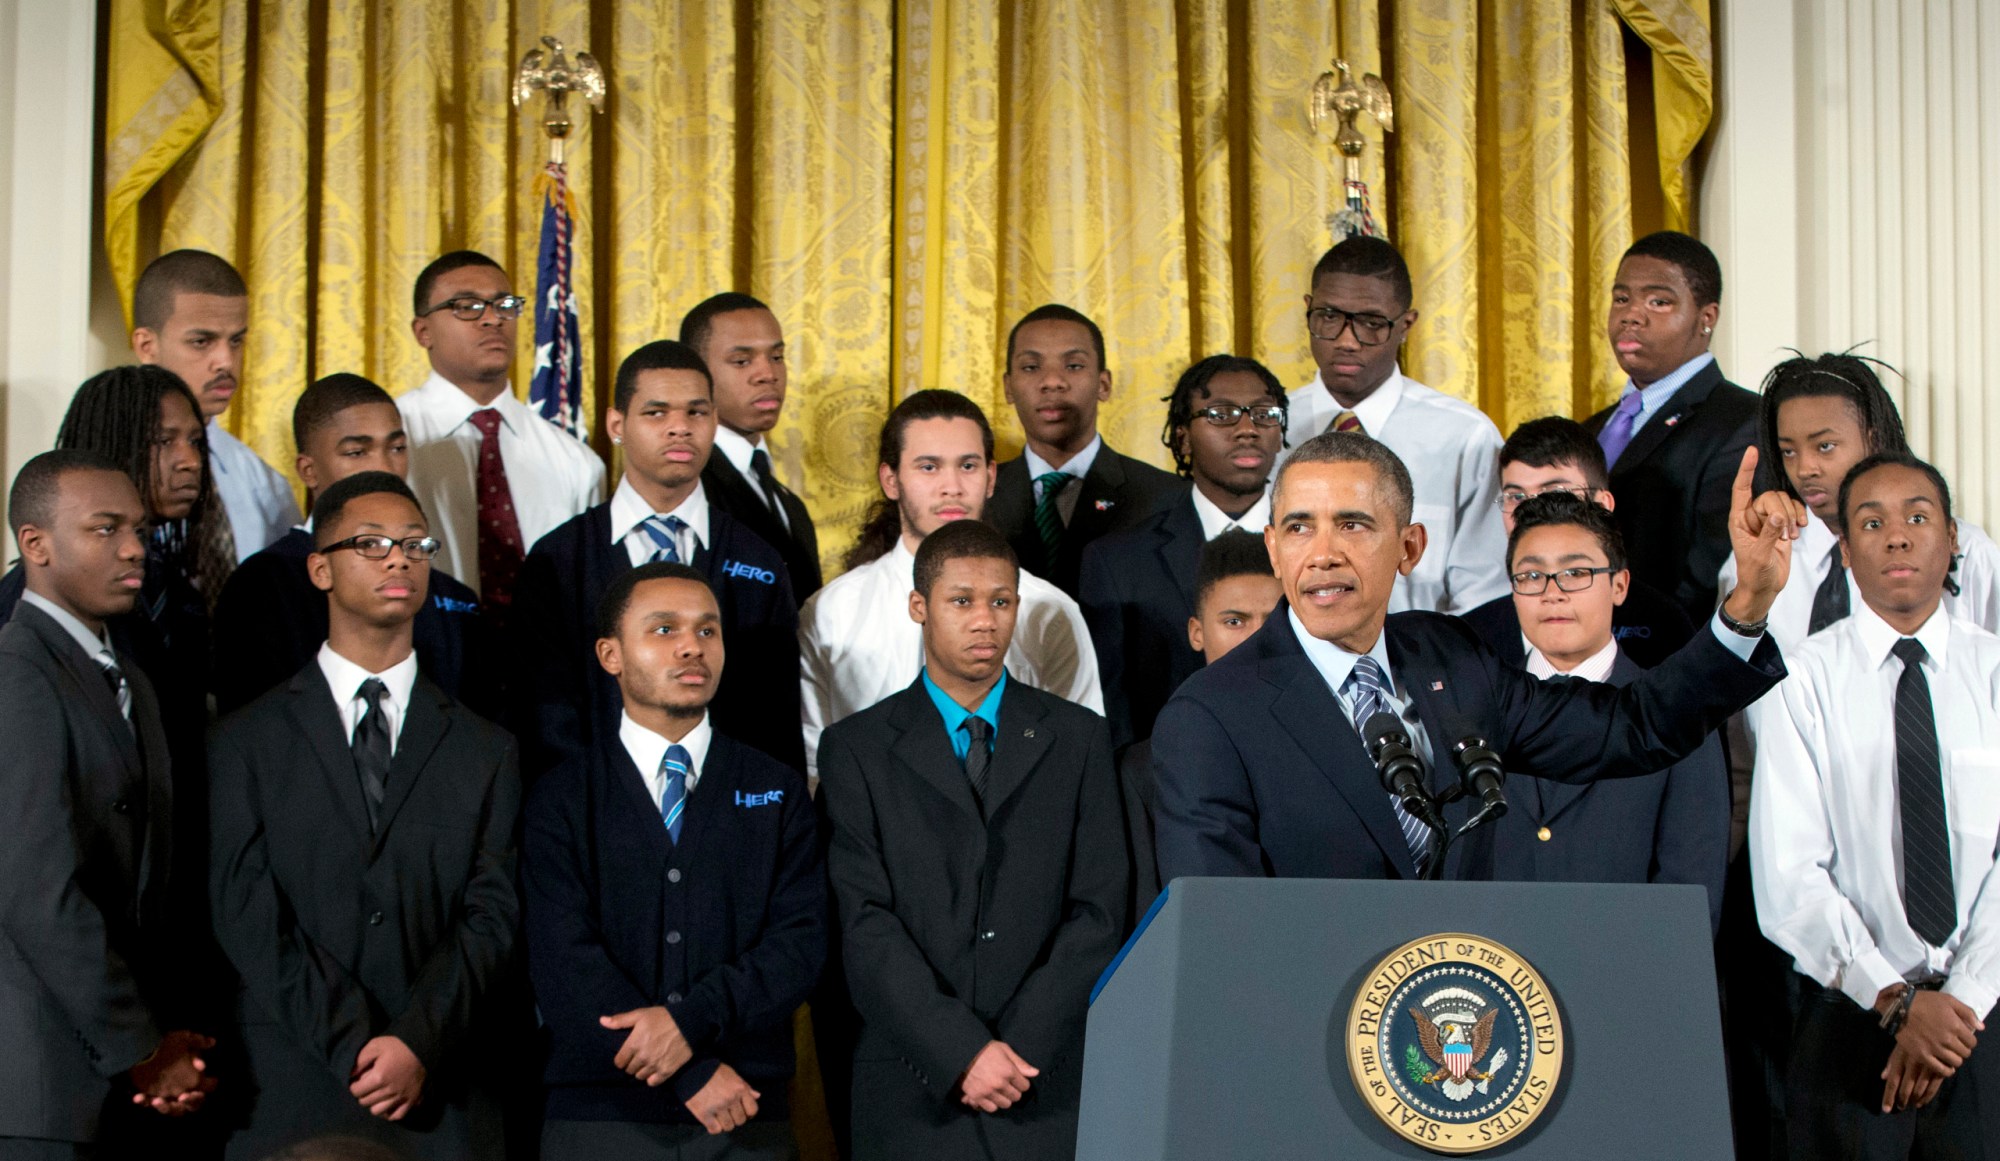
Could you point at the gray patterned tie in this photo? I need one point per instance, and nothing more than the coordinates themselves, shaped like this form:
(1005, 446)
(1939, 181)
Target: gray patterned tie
(1929, 901)
(1365, 699)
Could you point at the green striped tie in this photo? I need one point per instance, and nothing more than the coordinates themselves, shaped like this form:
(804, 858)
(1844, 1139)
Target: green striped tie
(1048, 520)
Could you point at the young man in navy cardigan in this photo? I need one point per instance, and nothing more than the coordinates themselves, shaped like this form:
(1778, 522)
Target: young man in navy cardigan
(675, 904)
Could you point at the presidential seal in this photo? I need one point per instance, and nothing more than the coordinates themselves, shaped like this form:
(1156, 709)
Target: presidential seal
(1455, 1042)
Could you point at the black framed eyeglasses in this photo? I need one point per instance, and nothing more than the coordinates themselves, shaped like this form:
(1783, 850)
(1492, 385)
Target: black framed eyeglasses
(1509, 501)
(416, 549)
(469, 309)
(1230, 414)
(1370, 329)
(1569, 580)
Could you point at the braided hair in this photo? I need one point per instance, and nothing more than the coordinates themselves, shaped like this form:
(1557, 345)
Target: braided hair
(117, 415)
(1193, 384)
(1830, 376)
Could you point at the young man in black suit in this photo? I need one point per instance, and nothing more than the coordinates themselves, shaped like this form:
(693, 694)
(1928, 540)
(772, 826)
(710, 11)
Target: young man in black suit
(1674, 438)
(1067, 488)
(1254, 781)
(740, 340)
(270, 619)
(675, 904)
(1225, 426)
(979, 866)
(93, 959)
(1567, 565)
(663, 414)
(1558, 455)
(362, 869)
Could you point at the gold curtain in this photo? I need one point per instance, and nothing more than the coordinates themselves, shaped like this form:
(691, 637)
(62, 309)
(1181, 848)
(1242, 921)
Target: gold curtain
(902, 180)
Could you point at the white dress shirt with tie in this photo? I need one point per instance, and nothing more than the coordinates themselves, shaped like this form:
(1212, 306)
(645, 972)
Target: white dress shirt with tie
(741, 454)
(1452, 452)
(1826, 836)
(630, 512)
(552, 475)
(258, 501)
(857, 644)
(344, 678)
(647, 749)
(1215, 522)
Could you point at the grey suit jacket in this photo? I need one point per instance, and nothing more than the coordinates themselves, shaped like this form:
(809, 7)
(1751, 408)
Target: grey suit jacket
(83, 881)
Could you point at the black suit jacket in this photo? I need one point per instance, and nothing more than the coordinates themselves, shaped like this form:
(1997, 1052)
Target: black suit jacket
(270, 621)
(1117, 493)
(1673, 483)
(566, 700)
(1137, 589)
(1261, 773)
(339, 936)
(88, 948)
(1649, 627)
(602, 885)
(795, 538)
(958, 929)
(1670, 826)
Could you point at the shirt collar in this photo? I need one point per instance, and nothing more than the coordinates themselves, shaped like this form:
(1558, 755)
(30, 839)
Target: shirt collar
(92, 645)
(1596, 667)
(629, 510)
(450, 405)
(646, 748)
(1336, 664)
(956, 714)
(737, 449)
(1373, 412)
(1214, 521)
(1878, 637)
(1078, 465)
(344, 677)
(1655, 395)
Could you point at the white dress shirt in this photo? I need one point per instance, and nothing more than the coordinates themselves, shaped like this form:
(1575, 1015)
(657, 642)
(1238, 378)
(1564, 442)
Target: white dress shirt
(259, 501)
(736, 448)
(629, 511)
(1077, 467)
(344, 678)
(1596, 667)
(552, 475)
(1215, 522)
(857, 644)
(647, 749)
(1452, 452)
(1825, 824)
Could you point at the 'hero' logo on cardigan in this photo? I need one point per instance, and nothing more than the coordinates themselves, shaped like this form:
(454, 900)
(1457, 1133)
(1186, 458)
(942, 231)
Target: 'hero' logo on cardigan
(737, 568)
(448, 605)
(768, 798)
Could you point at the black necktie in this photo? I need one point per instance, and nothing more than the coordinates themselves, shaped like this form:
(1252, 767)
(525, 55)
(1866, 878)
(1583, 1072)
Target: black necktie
(979, 758)
(1830, 599)
(371, 747)
(1928, 899)
(760, 463)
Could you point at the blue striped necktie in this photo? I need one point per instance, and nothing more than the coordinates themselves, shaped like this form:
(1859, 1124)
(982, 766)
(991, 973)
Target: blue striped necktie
(674, 767)
(664, 532)
(1366, 699)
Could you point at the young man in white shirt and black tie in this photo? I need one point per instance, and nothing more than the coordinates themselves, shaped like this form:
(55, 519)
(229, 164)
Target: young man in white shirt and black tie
(1872, 831)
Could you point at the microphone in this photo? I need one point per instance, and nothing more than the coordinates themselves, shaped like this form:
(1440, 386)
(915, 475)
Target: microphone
(1480, 773)
(1401, 771)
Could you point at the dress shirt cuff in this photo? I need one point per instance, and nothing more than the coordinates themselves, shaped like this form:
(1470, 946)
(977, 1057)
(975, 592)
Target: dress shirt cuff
(1735, 642)
(1971, 991)
(1864, 979)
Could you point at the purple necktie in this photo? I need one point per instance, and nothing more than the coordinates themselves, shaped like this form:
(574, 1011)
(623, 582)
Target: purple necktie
(1618, 432)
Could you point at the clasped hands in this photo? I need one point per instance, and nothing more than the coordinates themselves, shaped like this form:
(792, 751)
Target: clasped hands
(996, 1079)
(1936, 1037)
(654, 1050)
(174, 1079)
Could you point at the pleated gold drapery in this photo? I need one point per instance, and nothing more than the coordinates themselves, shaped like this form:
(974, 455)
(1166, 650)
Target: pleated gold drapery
(902, 180)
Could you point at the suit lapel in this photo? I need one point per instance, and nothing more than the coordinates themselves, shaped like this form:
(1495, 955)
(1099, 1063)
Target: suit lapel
(1178, 542)
(925, 751)
(1683, 404)
(88, 675)
(312, 711)
(1098, 500)
(424, 728)
(1018, 744)
(742, 496)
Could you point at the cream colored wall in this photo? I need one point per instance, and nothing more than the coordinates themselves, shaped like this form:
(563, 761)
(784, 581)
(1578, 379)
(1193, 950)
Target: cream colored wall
(1853, 196)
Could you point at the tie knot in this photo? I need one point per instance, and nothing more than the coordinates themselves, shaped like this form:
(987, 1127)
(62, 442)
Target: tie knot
(372, 691)
(1051, 482)
(1631, 404)
(978, 728)
(487, 420)
(1910, 651)
(671, 525)
(676, 760)
(1367, 675)
(760, 462)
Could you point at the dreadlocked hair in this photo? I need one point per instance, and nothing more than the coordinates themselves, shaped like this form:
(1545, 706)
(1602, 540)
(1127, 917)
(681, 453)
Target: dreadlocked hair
(1845, 376)
(117, 414)
(1193, 385)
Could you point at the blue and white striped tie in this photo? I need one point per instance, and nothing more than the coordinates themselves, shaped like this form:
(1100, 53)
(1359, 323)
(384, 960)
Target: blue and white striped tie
(1365, 699)
(674, 767)
(664, 532)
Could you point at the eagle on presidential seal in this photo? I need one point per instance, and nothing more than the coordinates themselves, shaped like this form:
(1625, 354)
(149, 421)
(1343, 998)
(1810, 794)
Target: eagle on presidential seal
(1455, 1027)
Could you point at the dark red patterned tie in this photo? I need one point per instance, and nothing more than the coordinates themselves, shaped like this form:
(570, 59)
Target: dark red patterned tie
(500, 550)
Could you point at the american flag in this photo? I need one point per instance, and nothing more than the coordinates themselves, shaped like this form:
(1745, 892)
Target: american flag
(557, 387)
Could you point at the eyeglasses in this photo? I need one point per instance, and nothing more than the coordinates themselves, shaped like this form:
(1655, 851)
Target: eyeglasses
(1326, 323)
(1509, 501)
(470, 309)
(1229, 414)
(416, 549)
(1569, 580)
